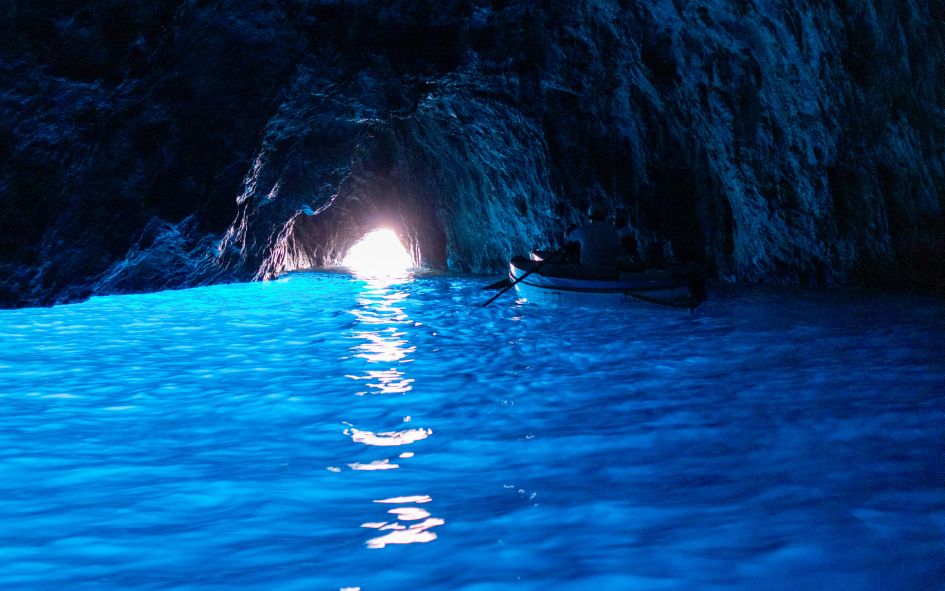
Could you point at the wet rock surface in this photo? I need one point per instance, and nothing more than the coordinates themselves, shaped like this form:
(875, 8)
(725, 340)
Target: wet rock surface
(145, 146)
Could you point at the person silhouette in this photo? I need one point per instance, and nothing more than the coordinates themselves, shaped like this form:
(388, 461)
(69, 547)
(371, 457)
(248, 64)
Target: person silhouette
(598, 241)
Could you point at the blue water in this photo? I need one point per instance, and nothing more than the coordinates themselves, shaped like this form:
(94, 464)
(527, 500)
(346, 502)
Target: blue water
(322, 432)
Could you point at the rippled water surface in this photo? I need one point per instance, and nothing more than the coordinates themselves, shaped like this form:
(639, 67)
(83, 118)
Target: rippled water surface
(322, 432)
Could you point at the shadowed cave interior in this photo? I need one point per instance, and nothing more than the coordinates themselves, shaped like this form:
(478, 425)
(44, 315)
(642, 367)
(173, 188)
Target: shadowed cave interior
(150, 147)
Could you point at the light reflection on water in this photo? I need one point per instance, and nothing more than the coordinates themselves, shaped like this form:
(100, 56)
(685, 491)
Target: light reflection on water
(380, 313)
(381, 340)
(326, 433)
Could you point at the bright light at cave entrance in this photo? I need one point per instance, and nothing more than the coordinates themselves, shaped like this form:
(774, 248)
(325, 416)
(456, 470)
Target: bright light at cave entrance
(378, 253)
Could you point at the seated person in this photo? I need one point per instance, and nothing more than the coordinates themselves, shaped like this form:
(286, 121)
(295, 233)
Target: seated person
(629, 259)
(599, 243)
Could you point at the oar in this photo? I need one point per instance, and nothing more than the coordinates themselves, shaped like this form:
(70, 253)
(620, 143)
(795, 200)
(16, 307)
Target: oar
(523, 276)
(498, 284)
(696, 292)
(691, 303)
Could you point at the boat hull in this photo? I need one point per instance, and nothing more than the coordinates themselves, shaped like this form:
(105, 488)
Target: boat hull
(662, 287)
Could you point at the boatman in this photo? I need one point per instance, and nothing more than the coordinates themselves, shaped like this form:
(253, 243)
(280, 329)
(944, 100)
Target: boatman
(629, 251)
(599, 243)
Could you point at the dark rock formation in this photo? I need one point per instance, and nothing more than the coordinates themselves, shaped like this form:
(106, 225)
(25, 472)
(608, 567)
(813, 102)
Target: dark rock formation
(148, 145)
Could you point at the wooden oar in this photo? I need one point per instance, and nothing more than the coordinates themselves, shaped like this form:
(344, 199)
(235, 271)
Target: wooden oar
(524, 275)
(691, 303)
(498, 284)
(696, 291)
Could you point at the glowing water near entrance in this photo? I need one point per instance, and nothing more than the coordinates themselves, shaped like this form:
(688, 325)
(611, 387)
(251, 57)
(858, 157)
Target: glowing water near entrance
(321, 432)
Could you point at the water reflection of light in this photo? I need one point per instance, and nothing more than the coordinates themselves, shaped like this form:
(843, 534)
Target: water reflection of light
(410, 513)
(389, 438)
(381, 304)
(382, 342)
(418, 499)
(383, 346)
(378, 311)
(390, 381)
(415, 533)
(375, 465)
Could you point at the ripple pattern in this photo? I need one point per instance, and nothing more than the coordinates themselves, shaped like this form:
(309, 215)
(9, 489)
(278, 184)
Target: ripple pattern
(329, 432)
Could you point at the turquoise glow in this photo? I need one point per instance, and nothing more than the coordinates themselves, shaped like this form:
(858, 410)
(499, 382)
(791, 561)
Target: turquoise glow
(324, 432)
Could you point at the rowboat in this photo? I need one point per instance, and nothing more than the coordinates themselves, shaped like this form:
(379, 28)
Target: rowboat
(548, 283)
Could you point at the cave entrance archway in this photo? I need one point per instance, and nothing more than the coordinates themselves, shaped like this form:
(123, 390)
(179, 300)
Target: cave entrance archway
(378, 192)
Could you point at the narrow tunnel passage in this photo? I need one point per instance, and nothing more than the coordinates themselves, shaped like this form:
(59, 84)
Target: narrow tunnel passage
(373, 228)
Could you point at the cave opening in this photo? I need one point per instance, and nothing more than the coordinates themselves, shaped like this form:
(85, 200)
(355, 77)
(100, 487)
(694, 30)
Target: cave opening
(379, 253)
(376, 230)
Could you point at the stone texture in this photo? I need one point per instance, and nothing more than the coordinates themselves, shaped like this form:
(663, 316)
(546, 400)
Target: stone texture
(152, 145)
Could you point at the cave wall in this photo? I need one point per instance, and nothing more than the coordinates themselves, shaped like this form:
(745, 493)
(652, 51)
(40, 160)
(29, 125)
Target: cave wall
(154, 145)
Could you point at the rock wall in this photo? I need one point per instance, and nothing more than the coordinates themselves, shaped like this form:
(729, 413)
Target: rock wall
(153, 145)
